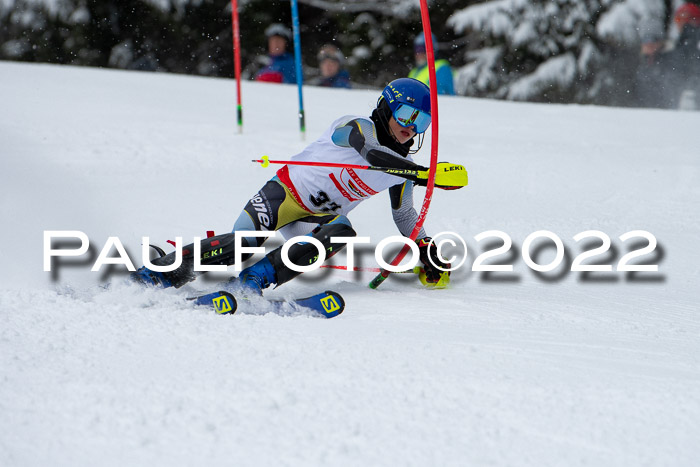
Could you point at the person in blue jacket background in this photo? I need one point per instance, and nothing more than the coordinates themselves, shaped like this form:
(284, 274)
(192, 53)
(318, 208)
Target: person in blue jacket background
(443, 72)
(278, 64)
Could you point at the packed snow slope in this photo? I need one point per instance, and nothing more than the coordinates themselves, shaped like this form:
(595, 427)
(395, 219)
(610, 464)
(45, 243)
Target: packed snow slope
(506, 368)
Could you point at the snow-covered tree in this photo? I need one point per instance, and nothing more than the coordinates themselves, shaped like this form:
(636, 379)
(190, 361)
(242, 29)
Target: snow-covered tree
(553, 50)
(194, 36)
(541, 50)
(185, 36)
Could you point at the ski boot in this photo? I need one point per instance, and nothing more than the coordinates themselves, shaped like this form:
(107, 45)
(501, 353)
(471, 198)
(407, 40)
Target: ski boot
(258, 276)
(272, 270)
(145, 276)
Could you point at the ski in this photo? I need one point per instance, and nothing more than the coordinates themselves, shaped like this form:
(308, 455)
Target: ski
(328, 304)
(222, 302)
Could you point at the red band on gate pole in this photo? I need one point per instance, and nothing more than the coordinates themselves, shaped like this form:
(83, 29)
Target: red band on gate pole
(237, 62)
(430, 55)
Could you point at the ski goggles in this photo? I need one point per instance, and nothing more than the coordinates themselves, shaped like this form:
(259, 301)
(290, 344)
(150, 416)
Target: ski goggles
(408, 116)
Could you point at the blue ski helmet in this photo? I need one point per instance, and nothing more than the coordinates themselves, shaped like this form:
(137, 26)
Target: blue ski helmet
(409, 102)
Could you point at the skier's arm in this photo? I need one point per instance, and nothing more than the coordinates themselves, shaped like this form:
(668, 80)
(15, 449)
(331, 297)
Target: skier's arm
(360, 135)
(405, 215)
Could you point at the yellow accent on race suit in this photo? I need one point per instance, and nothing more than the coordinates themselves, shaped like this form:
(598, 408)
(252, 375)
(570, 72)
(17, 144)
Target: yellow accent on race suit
(403, 188)
(290, 210)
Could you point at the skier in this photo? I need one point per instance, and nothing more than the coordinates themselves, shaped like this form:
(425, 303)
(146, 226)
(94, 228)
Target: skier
(315, 200)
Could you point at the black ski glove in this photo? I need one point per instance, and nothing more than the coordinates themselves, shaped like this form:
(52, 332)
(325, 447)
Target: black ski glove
(422, 179)
(428, 252)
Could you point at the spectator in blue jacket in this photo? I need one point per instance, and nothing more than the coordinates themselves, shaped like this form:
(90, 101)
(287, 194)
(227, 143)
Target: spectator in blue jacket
(443, 72)
(278, 64)
(330, 64)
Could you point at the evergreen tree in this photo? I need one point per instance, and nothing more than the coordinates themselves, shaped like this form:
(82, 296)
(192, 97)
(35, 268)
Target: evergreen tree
(194, 36)
(552, 50)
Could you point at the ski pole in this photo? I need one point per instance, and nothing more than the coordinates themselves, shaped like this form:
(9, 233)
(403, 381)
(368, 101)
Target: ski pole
(265, 161)
(448, 176)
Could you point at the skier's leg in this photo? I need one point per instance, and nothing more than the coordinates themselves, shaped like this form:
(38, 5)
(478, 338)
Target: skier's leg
(217, 250)
(269, 209)
(272, 270)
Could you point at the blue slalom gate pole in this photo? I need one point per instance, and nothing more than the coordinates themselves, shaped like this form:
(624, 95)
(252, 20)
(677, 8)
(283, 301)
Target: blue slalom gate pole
(297, 59)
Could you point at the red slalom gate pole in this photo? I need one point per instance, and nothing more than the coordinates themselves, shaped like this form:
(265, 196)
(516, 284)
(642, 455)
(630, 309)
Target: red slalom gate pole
(237, 62)
(427, 32)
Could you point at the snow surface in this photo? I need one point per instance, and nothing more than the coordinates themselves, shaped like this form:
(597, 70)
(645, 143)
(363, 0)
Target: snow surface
(527, 370)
